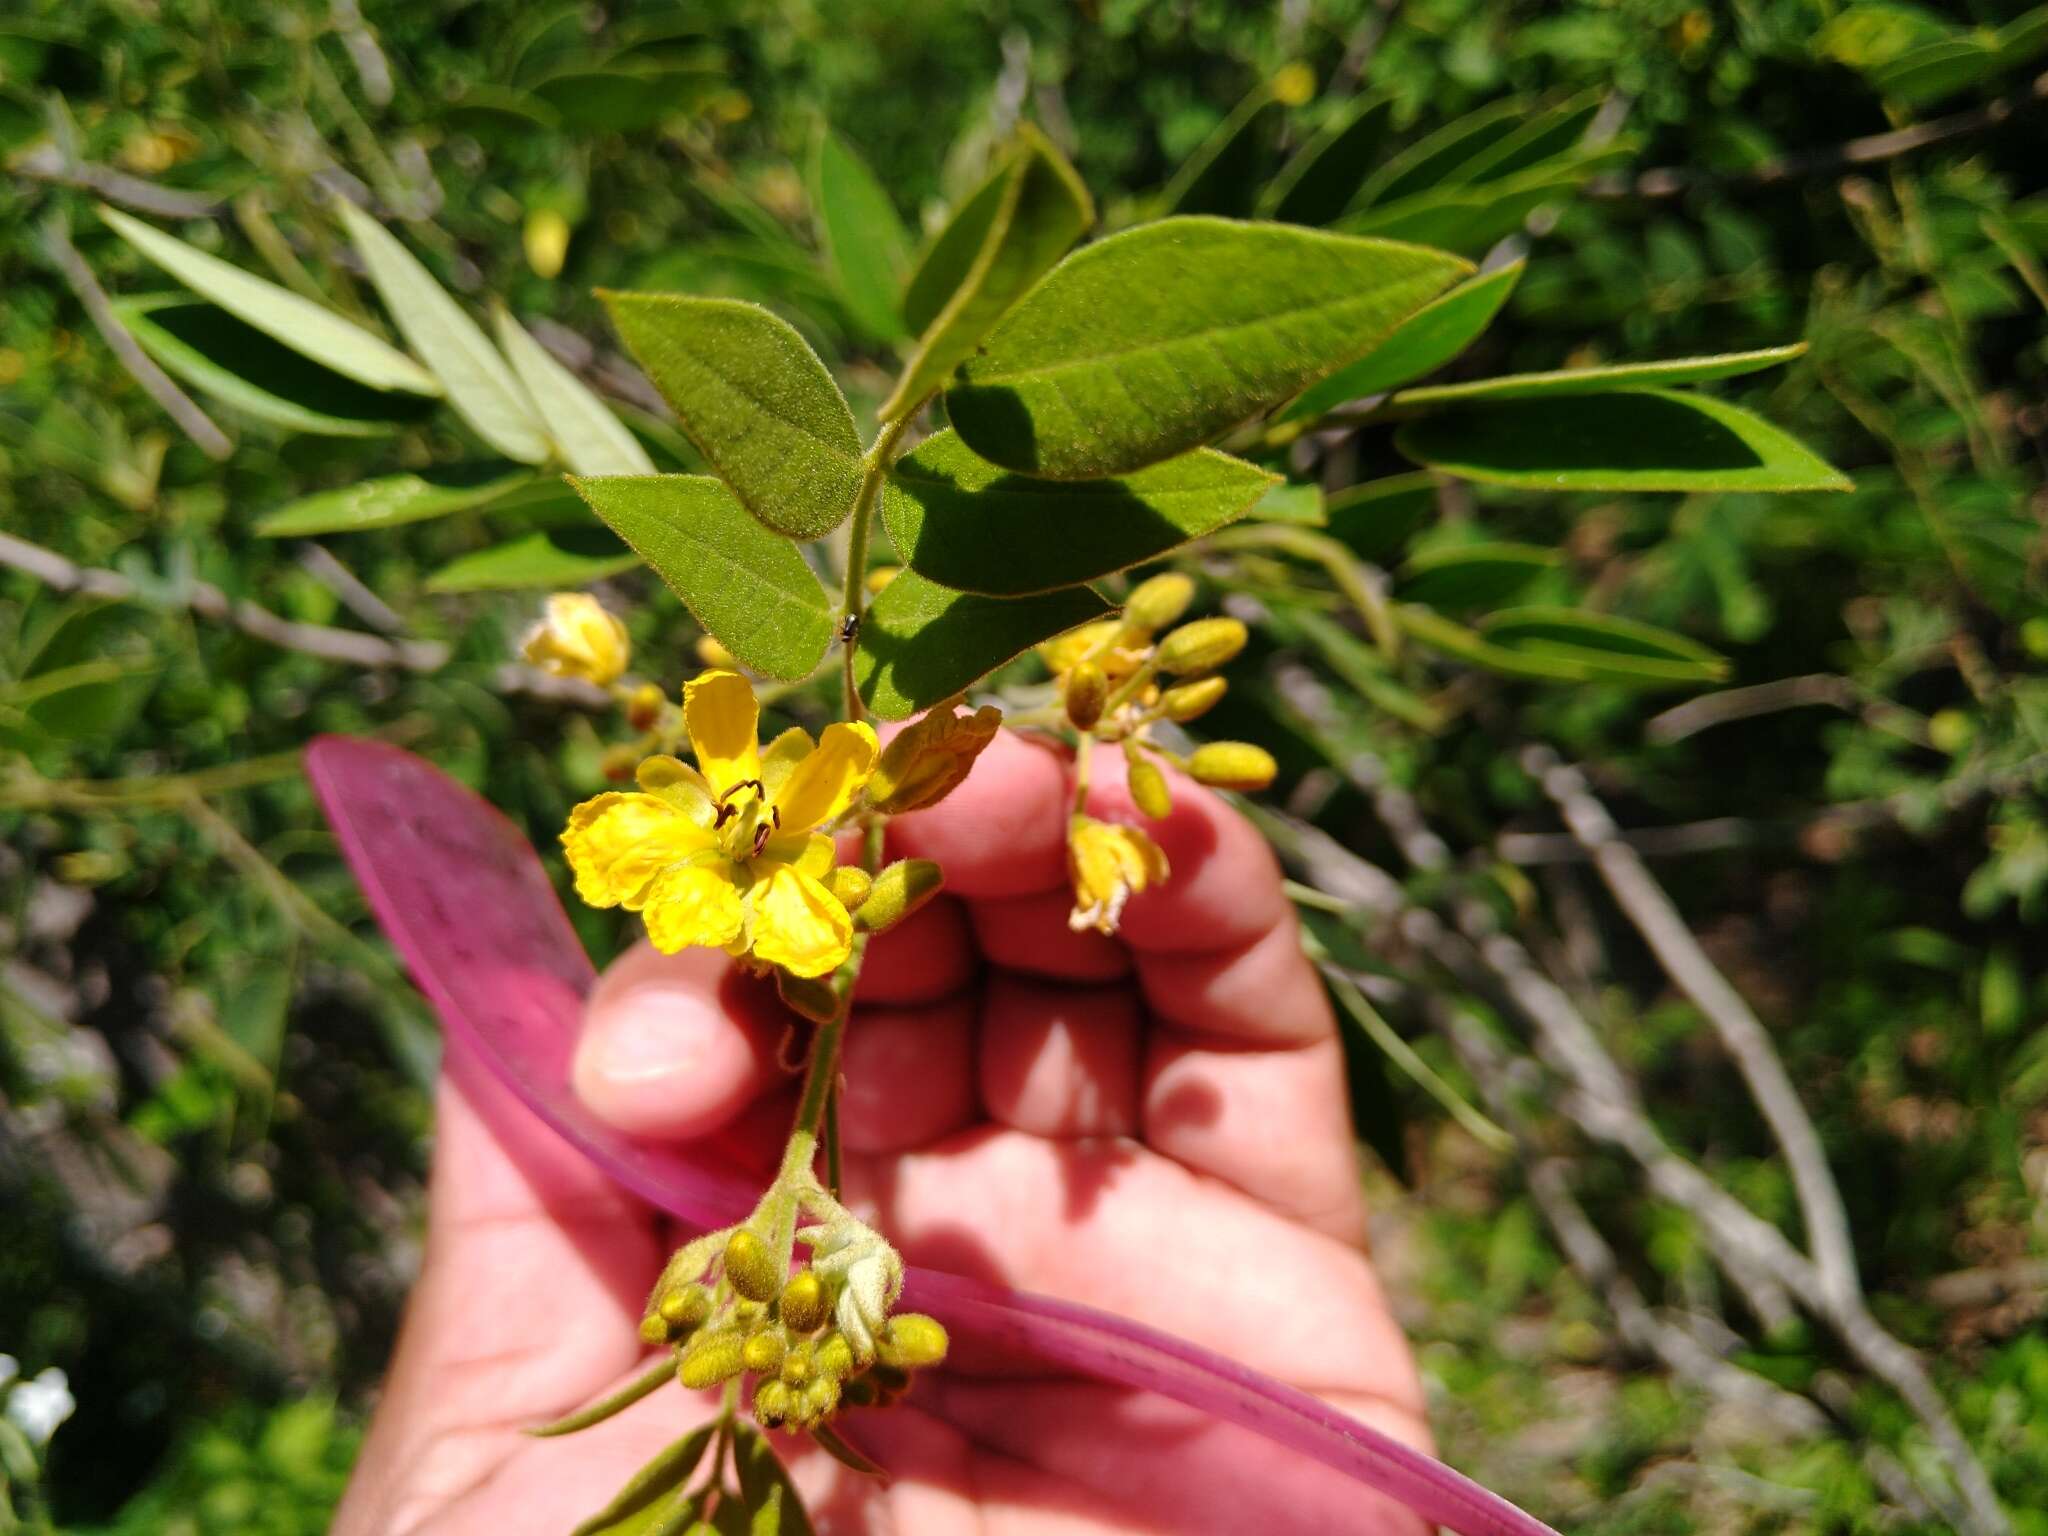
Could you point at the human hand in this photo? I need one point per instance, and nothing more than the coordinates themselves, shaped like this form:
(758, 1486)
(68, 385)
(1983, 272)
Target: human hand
(1153, 1124)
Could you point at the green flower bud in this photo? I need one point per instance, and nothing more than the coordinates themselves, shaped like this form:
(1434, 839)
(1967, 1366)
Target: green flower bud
(685, 1308)
(835, 1357)
(762, 1352)
(851, 884)
(653, 1330)
(820, 1398)
(1232, 765)
(898, 891)
(772, 1402)
(1202, 646)
(1147, 785)
(749, 1266)
(1159, 601)
(804, 1303)
(798, 1364)
(643, 706)
(912, 1340)
(709, 1359)
(1087, 690)
(1191, 700)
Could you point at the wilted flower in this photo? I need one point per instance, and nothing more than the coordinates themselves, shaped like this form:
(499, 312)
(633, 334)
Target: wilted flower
(579, 638)
(729, 854)
(928, 759)
(1109, 864)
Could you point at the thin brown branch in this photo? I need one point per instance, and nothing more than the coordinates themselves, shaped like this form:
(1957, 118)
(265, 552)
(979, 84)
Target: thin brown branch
(178, 405)
(48, 162)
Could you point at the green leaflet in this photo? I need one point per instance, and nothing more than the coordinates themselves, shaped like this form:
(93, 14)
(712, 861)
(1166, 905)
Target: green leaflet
(771, 1499)
(1153, 341)
(592, 440)
(1601, 381)
(393, 499)
(951, 255)
(754, 399)
(278, 313)
(242, 367)
(480, 383)
(1471, 217)
(1435, 160)
(1612, 648)
(1301, 505)
(1317, 185)
(1221, 175)
(1647, 440)
(1471, 576)
(548, 557)
(922, 642)
(653, 1502)
(1544, 136)
(746, 585)
(864, 239)
(1376, 520)
(1421, 344)
(977, 527)
(1040, 210)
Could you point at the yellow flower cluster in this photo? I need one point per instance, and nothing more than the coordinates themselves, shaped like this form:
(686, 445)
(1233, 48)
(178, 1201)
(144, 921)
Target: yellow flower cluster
(579, 638)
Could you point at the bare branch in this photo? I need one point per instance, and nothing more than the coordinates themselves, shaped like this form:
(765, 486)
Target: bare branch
(48, 162)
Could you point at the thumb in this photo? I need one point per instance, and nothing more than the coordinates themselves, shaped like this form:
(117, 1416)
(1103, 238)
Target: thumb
(674, 1047)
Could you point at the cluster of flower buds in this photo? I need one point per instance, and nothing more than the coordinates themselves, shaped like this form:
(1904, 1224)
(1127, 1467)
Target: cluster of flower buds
(1117, 680)
(812, 1341)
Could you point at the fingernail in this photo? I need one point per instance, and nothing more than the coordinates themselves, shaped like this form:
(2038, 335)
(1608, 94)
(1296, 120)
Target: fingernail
(653, 1032)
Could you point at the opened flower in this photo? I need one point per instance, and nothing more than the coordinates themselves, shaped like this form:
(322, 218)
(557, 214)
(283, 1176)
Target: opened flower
(1109, 864)
(731, 853)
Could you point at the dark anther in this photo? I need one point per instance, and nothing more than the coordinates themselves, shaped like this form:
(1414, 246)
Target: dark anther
(761, 835)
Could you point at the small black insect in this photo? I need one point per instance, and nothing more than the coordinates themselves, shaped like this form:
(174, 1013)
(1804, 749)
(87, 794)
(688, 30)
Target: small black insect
(849, 629)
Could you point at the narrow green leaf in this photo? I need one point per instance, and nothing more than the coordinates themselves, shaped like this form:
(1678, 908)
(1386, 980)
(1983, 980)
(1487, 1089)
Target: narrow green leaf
(745, 584)
(547, 557)
(1422, 343)
(1319, 182)
(1151, 342)
(1608, 645)
(393, 499)
(864, 239)
(278, 313)
(763, 1477)
(830, 1442)
(1649, 440)
(1429, 628)
(1376, 520)
(1543, 136)
(1435, 160)
(631, 98)
(480, 384)
(922, 642)
(754, 399)
(1471, 218)
(1222, 173)
(953, 251)
(1604, 381)
(1287, 502)
(241, 367)
(1042, 211)
(1470, 576)
(592, 440)
(656, 1376)
(643, 1506)
(977, 527)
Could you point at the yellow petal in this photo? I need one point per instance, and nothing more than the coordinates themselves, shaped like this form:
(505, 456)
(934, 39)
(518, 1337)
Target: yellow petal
(1109, 864)
(721, 715)
(617, 843)
(782, 756)
(691, 904)
(798, 924)
(824, 784)
(679, 784)
(579, 638)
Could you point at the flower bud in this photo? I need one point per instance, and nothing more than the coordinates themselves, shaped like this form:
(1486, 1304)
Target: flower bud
(773, 1401)
(1087, 690)
(834, 1357)
(685, 1308)
(1294, 84)
(810, 997)
(898, 891)
(643, 707)
(928, 759)
(851, 884)
(1232, 765)
(880, 577)
(578, 638)
(762, 1353)
(1147, 785)
(709, 1359)
(712, 654)
(618, 763)
(804, 1302)
(798, 1364)
(1202, 646)
(750, 1266)
(1189, 701)
(653, 1330)
(912, 1340)
(1159, 601)
(820, 1398)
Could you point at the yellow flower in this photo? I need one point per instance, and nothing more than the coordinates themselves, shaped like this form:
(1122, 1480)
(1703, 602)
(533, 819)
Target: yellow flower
(1108, 865)
(579, 638)
(926, 761)
(730, 853)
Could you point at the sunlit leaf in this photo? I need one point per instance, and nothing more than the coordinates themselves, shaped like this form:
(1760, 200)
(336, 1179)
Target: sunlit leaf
(975, 526)
(863, 237)
(547, 557)
(1292, 502)
(1607, 380)
(480, 384)
(592, 440)
(393, 499)
(744, 583)
(1609, 646)
(278, 313)
(922, 642)
(755, 400)
(1153, 341)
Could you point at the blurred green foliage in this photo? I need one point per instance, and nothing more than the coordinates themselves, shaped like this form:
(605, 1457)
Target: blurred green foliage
(212, 1099)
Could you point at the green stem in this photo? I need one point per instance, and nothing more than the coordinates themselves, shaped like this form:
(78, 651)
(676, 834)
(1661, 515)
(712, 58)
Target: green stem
(874, 469)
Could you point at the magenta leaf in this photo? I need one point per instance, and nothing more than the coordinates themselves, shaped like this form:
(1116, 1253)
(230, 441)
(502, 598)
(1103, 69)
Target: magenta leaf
(464, 898)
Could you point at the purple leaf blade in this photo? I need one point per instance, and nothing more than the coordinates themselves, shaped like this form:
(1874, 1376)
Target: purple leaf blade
(459, 891)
